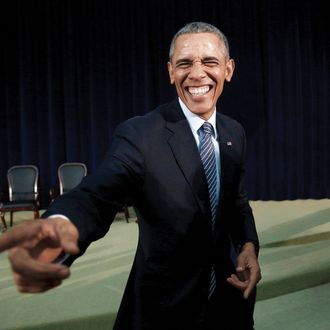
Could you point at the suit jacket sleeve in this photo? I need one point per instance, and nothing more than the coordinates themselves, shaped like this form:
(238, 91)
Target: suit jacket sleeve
(93, 205)
(243, 228)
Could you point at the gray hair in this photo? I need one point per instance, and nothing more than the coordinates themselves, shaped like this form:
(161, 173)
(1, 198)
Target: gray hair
(198, 27)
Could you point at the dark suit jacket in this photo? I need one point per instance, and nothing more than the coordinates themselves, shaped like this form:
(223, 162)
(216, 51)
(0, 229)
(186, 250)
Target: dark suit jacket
(155, 160)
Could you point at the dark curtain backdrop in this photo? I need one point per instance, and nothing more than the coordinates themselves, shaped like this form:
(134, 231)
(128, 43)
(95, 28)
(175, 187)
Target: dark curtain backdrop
(70, 71)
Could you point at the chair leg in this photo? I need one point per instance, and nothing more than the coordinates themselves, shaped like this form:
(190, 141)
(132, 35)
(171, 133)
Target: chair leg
(36, 214)
(126, 213)
(11, 219)
(2, 215)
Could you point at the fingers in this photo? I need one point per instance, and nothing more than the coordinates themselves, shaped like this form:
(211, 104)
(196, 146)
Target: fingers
(37, 287)
(69, 240)
(33, 276)
(237, 283)
(247, 280)
(24, 264)
(255, 277)
(248, 274)
(245, 286)
(25, 232)
(66, 235)
(243, 273)
(249, 284)
(54, 232)
(32, 260)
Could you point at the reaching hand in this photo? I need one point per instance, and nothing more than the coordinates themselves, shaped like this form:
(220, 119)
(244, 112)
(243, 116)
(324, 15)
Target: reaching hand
(248, 271)
(33, 247)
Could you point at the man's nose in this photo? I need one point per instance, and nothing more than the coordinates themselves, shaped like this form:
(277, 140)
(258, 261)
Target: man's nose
(197, 70)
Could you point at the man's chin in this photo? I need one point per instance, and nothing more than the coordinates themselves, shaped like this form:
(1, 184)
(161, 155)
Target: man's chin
(201, 109)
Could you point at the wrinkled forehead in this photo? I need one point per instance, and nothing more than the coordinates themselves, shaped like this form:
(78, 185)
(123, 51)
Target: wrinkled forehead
(199, 45)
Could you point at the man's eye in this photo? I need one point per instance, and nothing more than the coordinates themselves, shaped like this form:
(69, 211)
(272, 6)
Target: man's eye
(211, 63)
(183, 65)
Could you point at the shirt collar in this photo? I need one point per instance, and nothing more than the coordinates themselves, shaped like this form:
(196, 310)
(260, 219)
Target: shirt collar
(195, 121)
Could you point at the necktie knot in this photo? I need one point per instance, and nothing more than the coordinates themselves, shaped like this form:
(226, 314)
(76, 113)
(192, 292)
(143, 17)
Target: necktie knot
(207, 128)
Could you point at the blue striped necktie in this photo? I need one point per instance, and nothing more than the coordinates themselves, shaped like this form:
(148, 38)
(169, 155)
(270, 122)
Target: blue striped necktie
(207, 154)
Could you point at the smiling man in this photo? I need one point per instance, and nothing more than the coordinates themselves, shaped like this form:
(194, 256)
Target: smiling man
(182, 164)
(199, 65)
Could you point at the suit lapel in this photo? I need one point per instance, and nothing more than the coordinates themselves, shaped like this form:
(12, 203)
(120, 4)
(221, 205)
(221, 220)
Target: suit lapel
(185, 151)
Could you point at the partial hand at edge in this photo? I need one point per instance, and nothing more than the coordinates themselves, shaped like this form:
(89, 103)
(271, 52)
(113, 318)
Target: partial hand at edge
(34, 249)
(248, 271)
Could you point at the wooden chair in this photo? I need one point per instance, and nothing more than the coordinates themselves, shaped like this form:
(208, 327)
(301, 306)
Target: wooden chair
(69, 176)
(23, 192)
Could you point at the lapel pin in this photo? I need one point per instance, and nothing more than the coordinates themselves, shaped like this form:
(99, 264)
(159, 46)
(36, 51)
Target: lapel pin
(229, 143)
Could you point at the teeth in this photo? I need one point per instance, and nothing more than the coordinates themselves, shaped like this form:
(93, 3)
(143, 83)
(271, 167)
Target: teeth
(198, 90)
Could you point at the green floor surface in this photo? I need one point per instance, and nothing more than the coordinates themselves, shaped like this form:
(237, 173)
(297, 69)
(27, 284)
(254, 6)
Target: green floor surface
(293, 294)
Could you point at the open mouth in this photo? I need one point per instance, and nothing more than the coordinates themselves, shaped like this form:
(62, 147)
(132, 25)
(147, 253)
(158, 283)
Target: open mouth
(199, 91)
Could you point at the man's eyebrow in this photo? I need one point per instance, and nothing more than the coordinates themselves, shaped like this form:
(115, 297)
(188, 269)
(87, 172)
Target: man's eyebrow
(210, 58)
(184, 60)
(189, 60)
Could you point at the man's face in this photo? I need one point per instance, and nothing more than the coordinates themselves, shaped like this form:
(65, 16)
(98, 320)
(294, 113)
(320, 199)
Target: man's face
(199, 68)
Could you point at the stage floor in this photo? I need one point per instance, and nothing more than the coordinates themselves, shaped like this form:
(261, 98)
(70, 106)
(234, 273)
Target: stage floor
(293, 294)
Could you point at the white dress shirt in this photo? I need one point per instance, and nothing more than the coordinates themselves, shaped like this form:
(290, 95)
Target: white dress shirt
(195, 123)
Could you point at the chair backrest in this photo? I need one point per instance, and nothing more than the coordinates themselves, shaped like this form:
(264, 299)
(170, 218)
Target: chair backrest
(70, 175)
(23, 182)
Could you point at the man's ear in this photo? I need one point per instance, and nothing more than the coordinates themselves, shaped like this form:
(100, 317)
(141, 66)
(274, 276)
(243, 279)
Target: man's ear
(230, 67)
(170, 72)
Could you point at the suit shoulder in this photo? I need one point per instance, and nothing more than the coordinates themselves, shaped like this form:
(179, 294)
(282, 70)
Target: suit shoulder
(145, 124)
(229, 122)
(150, 119)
